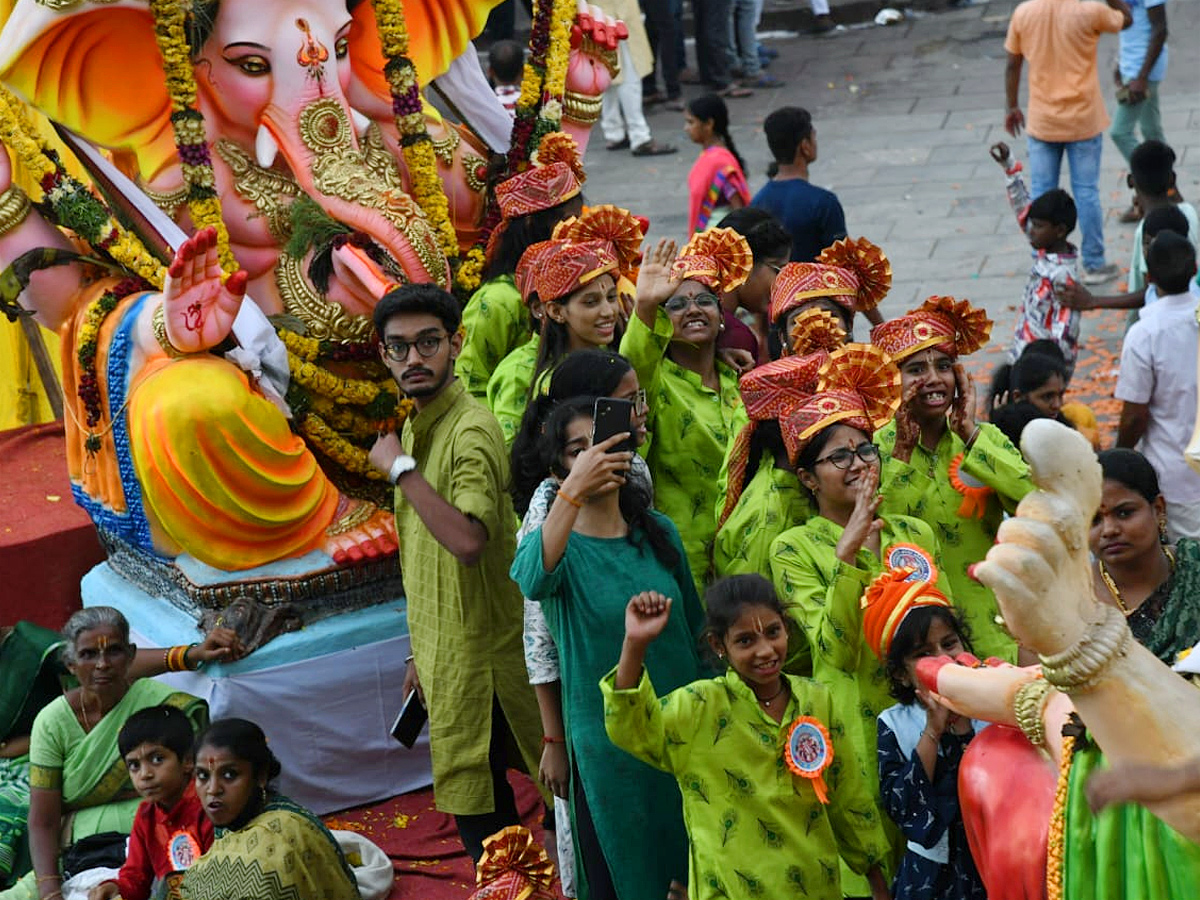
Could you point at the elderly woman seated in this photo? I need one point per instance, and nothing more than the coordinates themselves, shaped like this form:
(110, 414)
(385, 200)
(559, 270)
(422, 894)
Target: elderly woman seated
(79, 786)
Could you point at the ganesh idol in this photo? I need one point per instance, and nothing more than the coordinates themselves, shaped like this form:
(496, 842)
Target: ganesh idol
(201, 422)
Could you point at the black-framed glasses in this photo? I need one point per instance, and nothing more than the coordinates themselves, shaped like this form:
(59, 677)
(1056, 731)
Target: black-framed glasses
(427, 345)
(702, 301)
(843, 457)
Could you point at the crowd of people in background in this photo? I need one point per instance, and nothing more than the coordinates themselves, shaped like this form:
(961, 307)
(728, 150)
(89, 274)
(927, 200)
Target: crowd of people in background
(665, 509)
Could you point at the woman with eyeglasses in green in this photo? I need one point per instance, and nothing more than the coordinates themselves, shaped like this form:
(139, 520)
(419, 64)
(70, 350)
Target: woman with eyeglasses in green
(693, 397)
(822, 568)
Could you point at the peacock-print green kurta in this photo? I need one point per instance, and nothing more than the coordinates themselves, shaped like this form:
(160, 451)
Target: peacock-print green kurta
(496, 321)
(755, 829)
(772, 502)
(823, 595)
(922, 488)
(691, 425)
(510, 388)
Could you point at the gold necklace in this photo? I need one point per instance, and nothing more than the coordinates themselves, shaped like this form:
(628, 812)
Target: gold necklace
(1112, 585)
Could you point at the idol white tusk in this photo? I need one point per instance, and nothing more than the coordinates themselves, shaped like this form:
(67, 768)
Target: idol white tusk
(361, 122)
(265, 148)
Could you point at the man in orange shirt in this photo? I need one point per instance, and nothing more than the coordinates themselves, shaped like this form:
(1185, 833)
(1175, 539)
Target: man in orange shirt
(1066, 107)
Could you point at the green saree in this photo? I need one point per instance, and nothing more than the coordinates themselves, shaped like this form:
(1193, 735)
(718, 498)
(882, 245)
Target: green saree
(1168, 622)
(87, 767)
(29, 679)
(283, 853)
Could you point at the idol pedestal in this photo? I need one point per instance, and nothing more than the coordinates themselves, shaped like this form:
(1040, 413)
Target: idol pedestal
(325, 696)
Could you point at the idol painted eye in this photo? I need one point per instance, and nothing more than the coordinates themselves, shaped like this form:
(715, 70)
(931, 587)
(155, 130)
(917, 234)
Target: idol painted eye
(341, 48)
(254, 66)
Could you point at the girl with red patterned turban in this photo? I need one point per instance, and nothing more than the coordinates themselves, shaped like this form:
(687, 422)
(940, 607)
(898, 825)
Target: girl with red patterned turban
(693, 397)
(575, 286)
(958, 474)
(531, 203)
(759, 497)
(822, 568)
(852, 275)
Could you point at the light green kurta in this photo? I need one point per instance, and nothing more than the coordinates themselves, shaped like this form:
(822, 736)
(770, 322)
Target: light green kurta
(465, 621)
(756, 830)
(772, 502)
(824, 595)
(509, 389)
(691, 426)
(922, 488)
(497, 323)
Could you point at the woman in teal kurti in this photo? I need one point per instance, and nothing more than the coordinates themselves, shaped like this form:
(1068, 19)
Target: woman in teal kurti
(575, 285)
(693, 398)
(756, 828)
(942, 466)
(599, 545)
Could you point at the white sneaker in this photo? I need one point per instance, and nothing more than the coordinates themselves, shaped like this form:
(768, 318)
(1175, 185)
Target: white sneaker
(1101, 274)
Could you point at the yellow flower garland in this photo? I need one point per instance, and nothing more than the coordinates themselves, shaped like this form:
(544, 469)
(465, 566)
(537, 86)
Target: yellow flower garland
(416, 145)
(319, 380)
(351, 458)
(17, 133)
(171, 36)
(1056, 838)
(558, 57)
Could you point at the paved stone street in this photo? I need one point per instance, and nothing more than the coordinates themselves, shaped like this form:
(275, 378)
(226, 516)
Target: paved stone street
(904, 116)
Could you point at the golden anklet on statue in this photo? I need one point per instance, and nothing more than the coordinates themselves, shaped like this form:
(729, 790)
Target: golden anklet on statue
(1080, 667)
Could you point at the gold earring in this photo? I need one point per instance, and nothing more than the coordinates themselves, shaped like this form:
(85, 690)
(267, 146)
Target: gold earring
(1162, 531)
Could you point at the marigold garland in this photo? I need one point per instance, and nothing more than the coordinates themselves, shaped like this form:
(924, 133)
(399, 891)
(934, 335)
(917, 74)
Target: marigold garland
(415, 142)
(558, 57)
(351, 458)
(204, 204)
(1055, 839)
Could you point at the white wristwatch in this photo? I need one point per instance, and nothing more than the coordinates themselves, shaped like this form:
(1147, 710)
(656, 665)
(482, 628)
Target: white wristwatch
(404, 463)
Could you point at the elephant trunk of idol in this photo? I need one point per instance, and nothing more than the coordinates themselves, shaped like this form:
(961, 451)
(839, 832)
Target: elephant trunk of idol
(357, 187)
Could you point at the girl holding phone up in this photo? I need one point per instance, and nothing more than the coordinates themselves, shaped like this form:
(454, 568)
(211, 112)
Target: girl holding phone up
(602, 522)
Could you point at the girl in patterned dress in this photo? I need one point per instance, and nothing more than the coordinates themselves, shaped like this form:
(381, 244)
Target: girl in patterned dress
(763, 819)
(921, 742)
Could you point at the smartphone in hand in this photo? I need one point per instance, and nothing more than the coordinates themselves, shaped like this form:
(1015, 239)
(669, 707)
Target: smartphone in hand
(612, 416)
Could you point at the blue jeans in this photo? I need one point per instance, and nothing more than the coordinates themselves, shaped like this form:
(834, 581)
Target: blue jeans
(743, 44)
(1130, 115)
(1045, 161)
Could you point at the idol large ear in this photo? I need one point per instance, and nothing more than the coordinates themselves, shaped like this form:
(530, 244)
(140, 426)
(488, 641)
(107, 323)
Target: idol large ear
(438, 32)
(94, 68)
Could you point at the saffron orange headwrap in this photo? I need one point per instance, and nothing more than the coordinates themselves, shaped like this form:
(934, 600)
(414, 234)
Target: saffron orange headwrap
(553, 269)
(514, 867)
(535, 189)
(952, 326)
(768, 392)
(720, 259)
(858, 385)
(619, 227)
(891, 597)
(816, 329)
(852, 272)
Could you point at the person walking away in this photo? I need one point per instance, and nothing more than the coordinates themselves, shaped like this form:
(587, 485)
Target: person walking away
(1141, 66)
(812, 215)
(621, 117)
(1066, 108)
(456, 526)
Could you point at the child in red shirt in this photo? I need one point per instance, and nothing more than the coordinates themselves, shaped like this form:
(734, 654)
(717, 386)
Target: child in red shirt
(170, 829)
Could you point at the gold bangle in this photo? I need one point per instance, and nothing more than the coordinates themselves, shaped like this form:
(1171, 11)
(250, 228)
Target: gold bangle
(159, 323)
(581, 108)
(1081, 666)
(1028, 704)
(14, 208)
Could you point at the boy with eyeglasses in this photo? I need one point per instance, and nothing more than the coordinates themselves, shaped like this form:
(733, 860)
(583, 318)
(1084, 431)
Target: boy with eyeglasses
(456, 527)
